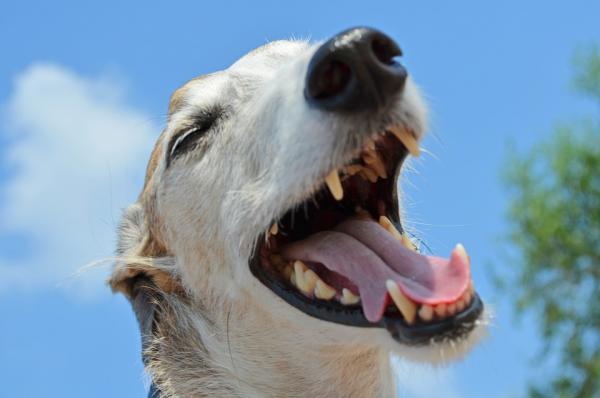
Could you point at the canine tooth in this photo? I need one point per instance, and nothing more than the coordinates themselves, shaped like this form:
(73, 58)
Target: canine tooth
(440, 310)
(348, 297)
(404, 304)
(323, 291)
(274, 229)
(407, 139)
(334, 184)
(426, 313)
(389, 226)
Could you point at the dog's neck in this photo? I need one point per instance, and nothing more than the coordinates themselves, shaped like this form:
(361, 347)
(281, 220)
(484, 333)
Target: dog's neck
(293, 368)
(237, 354)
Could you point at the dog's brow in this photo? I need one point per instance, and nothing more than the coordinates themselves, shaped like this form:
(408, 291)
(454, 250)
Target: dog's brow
(178, 97)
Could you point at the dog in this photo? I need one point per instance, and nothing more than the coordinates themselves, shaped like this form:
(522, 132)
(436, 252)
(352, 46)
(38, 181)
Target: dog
(265, 255)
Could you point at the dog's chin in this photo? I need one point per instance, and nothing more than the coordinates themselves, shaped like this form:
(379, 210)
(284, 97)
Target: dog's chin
(440, 352)
(319, 333)
(341, 256)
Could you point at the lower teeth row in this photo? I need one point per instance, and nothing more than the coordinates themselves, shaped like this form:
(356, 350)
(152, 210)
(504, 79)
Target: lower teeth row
(311, 285)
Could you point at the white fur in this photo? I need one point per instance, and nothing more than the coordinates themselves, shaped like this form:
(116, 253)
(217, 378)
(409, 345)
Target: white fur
(269, 152)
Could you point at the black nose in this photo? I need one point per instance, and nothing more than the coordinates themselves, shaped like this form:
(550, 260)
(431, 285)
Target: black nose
(355, 70)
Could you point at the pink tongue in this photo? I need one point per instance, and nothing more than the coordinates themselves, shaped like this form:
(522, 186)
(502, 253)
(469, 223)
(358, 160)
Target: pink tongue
(368, 255)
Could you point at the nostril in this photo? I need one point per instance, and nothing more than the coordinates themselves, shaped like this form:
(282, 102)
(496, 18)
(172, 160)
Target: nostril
(354, 70)
(331, 80)
(385, 50)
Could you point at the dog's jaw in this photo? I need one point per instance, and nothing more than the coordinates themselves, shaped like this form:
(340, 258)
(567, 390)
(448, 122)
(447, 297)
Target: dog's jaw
(203, 216)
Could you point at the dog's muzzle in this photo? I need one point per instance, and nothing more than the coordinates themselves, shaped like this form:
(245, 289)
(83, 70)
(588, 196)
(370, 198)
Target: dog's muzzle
(342, 254)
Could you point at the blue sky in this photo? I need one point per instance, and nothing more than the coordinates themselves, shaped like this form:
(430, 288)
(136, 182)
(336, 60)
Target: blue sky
(75, 75)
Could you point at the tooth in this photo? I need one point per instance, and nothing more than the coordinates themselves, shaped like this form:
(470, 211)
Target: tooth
(300, 266)
(407, 139)
(379, 168)
(323, 291)
(404, 304)
(335, 186)
(376, 164)
(460, 250)
(408, 243)
(467, 296)
(348, 297)
(387, 224)
(274, 229)
(292, 276)
(298, 274)
(310, 281)
(451, 309)
(368, 174)
(461, 304)
(306, 279)
(370, 144)
(353, 169)
(440, 310)
(426, 313)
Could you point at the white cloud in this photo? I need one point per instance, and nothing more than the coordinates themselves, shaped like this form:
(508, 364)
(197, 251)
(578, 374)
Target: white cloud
(78, 153)
(423, 381)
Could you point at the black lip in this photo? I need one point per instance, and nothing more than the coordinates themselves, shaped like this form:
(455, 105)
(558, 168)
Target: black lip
(420, 334)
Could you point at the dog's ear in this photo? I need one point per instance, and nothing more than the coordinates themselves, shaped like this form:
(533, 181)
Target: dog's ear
(139, 253)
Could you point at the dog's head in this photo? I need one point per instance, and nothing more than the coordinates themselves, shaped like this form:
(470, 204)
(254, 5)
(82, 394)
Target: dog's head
(273, 190)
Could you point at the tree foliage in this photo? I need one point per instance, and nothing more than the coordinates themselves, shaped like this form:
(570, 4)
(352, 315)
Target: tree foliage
(554, 229)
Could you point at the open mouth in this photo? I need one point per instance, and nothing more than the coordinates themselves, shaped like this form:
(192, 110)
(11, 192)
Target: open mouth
(343, 256)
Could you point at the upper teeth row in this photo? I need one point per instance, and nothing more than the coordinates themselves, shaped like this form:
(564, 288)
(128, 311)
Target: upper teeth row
(375, 167)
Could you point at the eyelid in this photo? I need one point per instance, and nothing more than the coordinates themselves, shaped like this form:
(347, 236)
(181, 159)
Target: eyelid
(180, 137)
(202, 123)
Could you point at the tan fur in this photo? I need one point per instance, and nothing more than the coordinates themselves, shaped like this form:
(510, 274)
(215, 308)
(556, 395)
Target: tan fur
(218, 331)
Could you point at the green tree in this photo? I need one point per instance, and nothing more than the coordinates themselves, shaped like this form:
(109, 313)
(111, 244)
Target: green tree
(554, 235)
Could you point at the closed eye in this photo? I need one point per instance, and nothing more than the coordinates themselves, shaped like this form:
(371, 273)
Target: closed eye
(188, 139)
